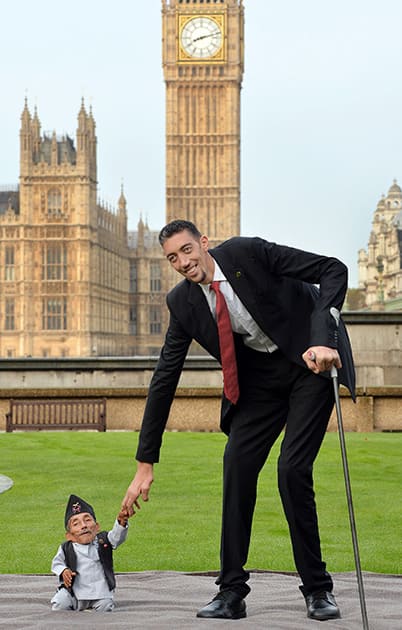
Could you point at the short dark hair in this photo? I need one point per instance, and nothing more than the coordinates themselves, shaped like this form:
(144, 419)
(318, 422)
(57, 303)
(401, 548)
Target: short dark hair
(176, 226)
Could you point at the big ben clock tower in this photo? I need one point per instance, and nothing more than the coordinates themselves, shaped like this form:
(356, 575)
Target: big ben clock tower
(203, 68)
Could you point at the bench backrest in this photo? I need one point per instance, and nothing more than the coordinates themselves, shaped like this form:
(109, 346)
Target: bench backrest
(57, 414)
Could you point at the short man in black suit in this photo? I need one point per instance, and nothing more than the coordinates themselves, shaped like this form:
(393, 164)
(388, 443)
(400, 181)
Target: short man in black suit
(288, 335)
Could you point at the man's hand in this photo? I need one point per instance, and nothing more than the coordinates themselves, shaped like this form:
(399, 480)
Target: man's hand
(124, 515)
(321, 359)
(140, 485)
(68, 577)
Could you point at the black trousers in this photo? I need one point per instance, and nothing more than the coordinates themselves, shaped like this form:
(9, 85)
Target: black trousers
(275, 394)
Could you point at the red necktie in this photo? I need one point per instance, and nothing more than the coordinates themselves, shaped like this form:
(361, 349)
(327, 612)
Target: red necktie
(226, 345)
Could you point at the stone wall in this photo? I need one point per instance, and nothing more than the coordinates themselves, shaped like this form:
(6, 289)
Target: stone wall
(376, 342)
(197, 403)
(377, 347)
(197, 409)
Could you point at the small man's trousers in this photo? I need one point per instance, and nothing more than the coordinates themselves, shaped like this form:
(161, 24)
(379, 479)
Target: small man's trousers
(63, 600)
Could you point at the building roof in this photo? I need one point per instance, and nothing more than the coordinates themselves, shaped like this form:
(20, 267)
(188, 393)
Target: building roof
(395, 189)
(9, 199)
(65, 150)
(150, 239)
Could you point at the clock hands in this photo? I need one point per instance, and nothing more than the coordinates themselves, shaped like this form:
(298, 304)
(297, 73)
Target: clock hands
(204, 36)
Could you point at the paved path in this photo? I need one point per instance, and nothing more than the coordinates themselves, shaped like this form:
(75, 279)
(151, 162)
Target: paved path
(169, 601)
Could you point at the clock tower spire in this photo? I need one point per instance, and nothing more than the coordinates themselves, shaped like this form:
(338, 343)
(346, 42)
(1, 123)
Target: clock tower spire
(203, 69)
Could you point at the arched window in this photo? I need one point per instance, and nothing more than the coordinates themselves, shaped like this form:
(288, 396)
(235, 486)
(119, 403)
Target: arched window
(54, 201)
(133, 276)
(9, 266)
(155, 324)
(54, 314)
(155, 278)
(54, 261)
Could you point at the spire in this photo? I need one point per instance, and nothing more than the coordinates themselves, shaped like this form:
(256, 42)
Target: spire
(54, 154)
(35, 124)
(122, 203)
(25, 140)
(82, 116)
(82, 135)
(25, 116)
(91, 121)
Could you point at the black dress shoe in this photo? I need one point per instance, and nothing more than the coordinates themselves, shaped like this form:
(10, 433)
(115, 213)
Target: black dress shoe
(322, 606)
(225, 605)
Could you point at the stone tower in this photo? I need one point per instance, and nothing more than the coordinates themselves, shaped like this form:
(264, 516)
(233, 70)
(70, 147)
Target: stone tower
(380, 267)
(203, 69)
(64, 288)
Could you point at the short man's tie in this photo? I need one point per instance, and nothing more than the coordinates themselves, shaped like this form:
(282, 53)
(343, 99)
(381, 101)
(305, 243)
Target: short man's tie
(227, 347)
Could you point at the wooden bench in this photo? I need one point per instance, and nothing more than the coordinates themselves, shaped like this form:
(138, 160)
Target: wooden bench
(36, 414)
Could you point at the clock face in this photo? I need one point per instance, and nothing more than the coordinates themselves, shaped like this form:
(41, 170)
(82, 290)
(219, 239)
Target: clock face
(201, 37)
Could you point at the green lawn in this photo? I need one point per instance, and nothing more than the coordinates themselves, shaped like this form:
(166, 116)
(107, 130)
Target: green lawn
(178, 529)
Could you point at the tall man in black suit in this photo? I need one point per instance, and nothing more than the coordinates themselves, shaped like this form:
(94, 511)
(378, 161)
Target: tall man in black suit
(288, 335)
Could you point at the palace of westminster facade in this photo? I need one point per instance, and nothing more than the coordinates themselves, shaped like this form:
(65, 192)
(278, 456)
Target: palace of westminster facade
(74, 282)
(380, 266)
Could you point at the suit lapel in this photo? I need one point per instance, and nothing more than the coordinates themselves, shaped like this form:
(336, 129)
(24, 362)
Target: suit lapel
(237, 278)
(201, 313)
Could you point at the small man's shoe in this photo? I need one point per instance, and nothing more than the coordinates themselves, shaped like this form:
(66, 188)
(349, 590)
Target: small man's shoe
(322, 606)
(225, 605)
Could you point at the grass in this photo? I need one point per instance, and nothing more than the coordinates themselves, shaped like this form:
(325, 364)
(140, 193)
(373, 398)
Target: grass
(178, 529)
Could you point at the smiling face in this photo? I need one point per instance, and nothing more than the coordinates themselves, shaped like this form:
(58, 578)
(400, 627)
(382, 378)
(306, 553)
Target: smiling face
(189, 256)
(82, 528)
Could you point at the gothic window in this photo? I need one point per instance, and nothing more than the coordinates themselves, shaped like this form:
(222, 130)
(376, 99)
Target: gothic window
(9, 323)
(155, 325)
(54, 314)
(9, 264)
(54, 262)
(133, 277)
(133, 320)
(155, 277)
(54, 201)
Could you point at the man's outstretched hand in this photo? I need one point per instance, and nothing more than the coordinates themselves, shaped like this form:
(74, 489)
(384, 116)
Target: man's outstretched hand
(139, 486)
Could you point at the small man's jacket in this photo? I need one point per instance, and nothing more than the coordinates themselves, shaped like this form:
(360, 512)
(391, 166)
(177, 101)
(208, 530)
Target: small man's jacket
(105, 551)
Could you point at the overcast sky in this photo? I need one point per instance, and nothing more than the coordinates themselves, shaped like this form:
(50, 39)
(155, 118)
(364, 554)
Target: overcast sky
(321, 108)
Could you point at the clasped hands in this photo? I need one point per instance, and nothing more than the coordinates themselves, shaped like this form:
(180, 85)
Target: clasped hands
(140, 486)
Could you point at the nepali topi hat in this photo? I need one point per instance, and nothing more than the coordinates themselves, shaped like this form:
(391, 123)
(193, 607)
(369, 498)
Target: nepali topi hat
(75, 506)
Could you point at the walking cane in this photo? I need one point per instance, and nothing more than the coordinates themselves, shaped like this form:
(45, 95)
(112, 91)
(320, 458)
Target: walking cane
(334, 376)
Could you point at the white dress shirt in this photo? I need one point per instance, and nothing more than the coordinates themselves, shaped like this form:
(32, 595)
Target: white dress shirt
(240, 318)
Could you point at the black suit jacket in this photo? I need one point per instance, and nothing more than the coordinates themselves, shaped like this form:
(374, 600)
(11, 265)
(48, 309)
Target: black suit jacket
(276, 284)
